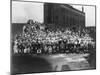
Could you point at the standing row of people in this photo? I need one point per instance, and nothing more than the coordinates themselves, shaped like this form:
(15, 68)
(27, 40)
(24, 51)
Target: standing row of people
(52, 48)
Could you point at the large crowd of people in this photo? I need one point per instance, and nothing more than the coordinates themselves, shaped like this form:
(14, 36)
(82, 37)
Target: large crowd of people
(36, 39)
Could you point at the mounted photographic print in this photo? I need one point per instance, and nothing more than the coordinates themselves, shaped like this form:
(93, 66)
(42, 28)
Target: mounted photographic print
(52, 37)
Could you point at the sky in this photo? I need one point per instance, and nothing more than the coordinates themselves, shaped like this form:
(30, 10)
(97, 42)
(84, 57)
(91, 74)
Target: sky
(89, 13)
(23, 11)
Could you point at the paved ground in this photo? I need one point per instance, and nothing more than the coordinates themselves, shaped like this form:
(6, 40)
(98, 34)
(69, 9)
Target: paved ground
(48, 63)
(73, 61)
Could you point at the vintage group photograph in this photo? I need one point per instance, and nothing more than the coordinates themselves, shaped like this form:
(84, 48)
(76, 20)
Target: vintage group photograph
(52, 37)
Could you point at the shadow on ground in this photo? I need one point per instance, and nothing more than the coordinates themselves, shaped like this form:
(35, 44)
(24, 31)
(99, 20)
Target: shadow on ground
(29, 64)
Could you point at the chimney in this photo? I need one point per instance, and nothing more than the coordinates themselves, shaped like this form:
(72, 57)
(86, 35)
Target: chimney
(82, 9)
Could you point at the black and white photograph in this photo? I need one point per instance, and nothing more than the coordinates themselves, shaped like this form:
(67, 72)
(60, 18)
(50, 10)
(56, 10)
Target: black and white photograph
(52, 37)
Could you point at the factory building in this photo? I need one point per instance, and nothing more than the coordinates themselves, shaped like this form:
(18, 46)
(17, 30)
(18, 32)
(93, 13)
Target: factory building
(63, 15)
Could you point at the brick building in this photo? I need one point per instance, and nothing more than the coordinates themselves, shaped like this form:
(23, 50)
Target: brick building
(63, 15)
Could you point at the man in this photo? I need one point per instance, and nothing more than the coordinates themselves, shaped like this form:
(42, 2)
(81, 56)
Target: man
(62, 47)
(50, 50)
